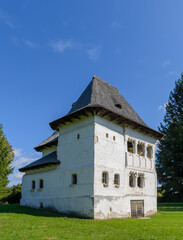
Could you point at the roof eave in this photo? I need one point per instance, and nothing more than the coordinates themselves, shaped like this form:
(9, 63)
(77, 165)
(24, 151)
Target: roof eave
(44, 146)
(97, 110)
(24, 169)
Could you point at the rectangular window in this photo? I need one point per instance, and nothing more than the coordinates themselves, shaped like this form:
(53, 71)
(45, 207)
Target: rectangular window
(78, 136)
(33, 184)
(140, 149)
(130, 146)
(132, 180)
(105, 178)
(107, 135)
(74, 178)
(116, 179)
(149, 152)
(41, 183)
(140, 181)
(114, 138)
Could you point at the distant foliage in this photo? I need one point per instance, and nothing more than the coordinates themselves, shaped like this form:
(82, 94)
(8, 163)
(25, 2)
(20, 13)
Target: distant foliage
(13, 194)
(170, 149)
(6, 159)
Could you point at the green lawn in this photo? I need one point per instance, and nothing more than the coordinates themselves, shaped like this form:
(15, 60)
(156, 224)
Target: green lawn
(23, 223)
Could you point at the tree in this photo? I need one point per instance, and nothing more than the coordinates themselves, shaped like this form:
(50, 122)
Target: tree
(6, 158)
(170, 148)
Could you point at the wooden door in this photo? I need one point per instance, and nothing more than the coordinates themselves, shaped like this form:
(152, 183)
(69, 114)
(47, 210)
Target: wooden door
(137, 208)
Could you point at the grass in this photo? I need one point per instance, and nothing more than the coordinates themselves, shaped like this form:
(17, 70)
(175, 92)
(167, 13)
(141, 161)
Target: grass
(23, 223)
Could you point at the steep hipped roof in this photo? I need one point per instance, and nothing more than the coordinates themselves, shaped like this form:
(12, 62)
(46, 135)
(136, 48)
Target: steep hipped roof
(50, 141)
(101, 93)
(48, 160)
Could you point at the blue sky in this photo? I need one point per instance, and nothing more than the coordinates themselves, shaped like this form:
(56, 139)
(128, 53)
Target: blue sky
(49, 51)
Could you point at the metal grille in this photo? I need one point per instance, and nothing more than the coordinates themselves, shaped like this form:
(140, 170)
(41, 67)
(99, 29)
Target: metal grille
(137, 208)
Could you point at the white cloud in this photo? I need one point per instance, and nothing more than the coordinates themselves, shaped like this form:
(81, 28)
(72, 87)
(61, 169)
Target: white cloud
(30, 44)
(60, 46)
(17, 152)
(173, 73)
(163, 107)
(17, 176)
(6, 19)
(160, 107)
(166, 63)
(19, 42)
(22, 161)
(94, 53)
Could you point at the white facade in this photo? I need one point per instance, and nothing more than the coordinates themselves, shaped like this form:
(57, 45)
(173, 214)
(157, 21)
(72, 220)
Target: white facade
(87, 148)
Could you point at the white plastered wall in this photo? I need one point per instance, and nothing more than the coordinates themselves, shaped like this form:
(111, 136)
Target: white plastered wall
(49, 150)
(112, 202)
(76, 156)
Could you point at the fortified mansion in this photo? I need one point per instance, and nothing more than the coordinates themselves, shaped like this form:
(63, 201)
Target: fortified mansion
(99, 162)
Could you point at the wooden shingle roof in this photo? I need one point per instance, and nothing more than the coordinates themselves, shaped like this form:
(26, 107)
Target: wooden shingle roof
(48, 160)
(50, 141)
(102, 99)
(100, 95)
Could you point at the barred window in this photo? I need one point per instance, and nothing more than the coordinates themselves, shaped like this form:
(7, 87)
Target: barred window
(116, 179)
(105, 178)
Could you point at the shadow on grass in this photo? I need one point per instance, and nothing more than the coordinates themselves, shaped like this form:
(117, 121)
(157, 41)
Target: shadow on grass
(170, 207)
(16, 208)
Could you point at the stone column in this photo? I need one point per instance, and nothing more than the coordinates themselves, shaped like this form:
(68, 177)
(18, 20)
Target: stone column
(145, 150)
(135, 147)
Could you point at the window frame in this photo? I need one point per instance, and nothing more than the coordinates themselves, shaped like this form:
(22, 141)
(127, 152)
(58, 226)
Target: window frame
(116, 179)
(105, 178)
(130, 147)
(33, 185)
(132, 179)
(41, 184)
(141, 152)
(74, 179)
(140, 181)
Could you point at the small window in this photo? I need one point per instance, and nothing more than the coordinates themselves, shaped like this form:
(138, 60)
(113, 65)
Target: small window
(78, 136)
(105, 178)
(114, 138)
(74, 178)
(118, 105)
(132, 179)
(116, 179)
(140, 149)
(140, 181)
(149, 152)
(33, 184)
(40, 205)
(41, 183)
(130, 146)
(107, 135)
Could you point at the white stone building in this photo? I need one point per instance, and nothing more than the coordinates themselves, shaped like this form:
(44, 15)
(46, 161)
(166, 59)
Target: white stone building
(99, 163)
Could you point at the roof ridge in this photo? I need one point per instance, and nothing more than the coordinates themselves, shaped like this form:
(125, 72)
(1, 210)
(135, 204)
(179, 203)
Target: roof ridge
(100, 79)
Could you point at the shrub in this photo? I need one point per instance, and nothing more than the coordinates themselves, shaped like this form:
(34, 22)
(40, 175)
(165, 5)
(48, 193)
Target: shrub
(13, 194)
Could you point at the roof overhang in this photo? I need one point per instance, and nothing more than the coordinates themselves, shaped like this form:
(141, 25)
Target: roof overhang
(49, 144)
(92, 110)
(48, 160)
(40, 166)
